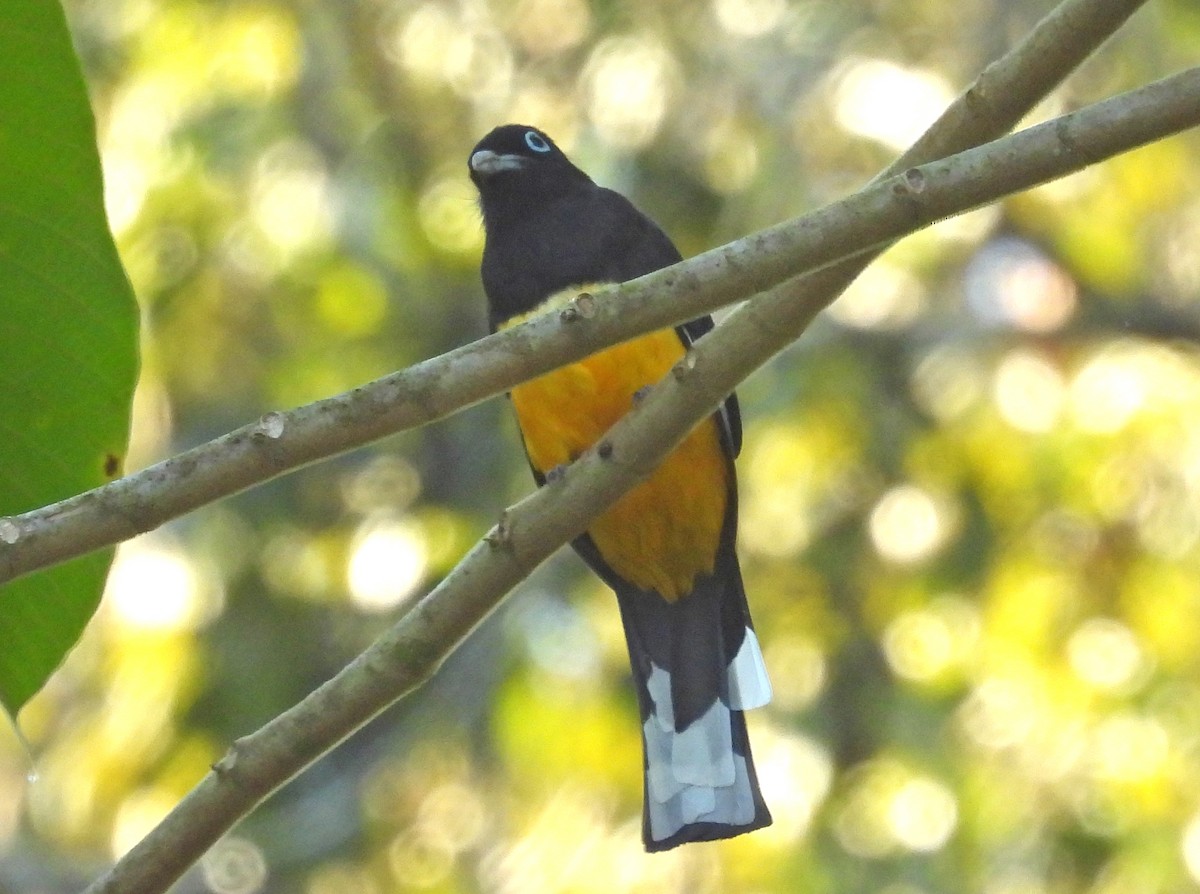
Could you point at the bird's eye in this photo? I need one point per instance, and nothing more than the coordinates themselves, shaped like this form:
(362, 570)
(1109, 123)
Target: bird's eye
(536, 141)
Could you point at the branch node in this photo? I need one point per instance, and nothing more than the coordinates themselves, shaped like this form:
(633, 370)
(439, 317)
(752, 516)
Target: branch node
(270, 427)
(1062, 131)
(685, 365)
(911, 182)
(582, 307)
(604, 449)
(228, 762)
(10, 531)
(500, 536)
(975, 98)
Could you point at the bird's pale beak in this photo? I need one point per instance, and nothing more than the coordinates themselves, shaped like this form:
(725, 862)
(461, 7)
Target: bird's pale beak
(487, 162)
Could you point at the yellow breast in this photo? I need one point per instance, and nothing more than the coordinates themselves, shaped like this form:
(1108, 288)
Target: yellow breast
(665, 531)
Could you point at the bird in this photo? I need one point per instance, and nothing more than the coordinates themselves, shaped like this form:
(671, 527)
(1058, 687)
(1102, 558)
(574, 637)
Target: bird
(667, 547)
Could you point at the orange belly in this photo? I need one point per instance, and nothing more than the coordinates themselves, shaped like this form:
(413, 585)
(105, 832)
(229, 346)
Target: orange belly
(665, 531)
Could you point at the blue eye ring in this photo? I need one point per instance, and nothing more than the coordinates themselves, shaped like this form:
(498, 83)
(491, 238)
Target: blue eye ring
(536, 141)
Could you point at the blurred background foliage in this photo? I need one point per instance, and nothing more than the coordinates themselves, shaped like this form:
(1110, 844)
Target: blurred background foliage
(971, 524)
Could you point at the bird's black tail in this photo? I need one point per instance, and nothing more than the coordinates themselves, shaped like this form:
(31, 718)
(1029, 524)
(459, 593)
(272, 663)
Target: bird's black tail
(697, 666)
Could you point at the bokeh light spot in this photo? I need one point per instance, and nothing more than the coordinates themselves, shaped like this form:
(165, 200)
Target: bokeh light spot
(451, 818)
(153, 585)
(629, 82)
(797, 671)
(922, 814)
(387, 563)
(1191, 847)
(888, 807)
(948, 382)
(861, 824)
(1106, 393)
(126, 184)
(289, 197)
(906, 525)
(887, 102)
(1029, 391)
(139, 812)
(423, 40)
(479, 66)
(547, 27)
(1105, 653)
(417, 863)
(1129, 747)
(257, 51)
(779, 484)
(299, 564)
(999, 713)
(388, 480)
(730, 157)
(234, 865)
(449, 215)
(884, 296)
(749, 18)
(1168, 520)
(1010, 281)
(925, 643)
(797, 771)
(556, 634)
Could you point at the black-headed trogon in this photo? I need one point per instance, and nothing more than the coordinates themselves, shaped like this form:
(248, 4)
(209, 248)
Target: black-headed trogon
(666, 547)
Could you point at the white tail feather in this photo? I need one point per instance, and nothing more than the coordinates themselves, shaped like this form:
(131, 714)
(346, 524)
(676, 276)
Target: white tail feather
(695, 775)
(749, 685)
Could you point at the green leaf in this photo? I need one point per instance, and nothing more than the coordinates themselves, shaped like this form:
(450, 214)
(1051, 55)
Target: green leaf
(68, 331)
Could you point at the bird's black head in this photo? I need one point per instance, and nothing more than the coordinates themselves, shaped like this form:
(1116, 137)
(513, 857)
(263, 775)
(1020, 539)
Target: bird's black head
(518, 162)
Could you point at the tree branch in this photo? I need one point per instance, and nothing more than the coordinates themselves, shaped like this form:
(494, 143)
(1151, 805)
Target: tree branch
(410, 652)
(281, 442)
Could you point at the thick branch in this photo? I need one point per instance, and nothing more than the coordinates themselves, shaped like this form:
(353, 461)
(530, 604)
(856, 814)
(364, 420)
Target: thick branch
(537, 526)
(285, 441)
